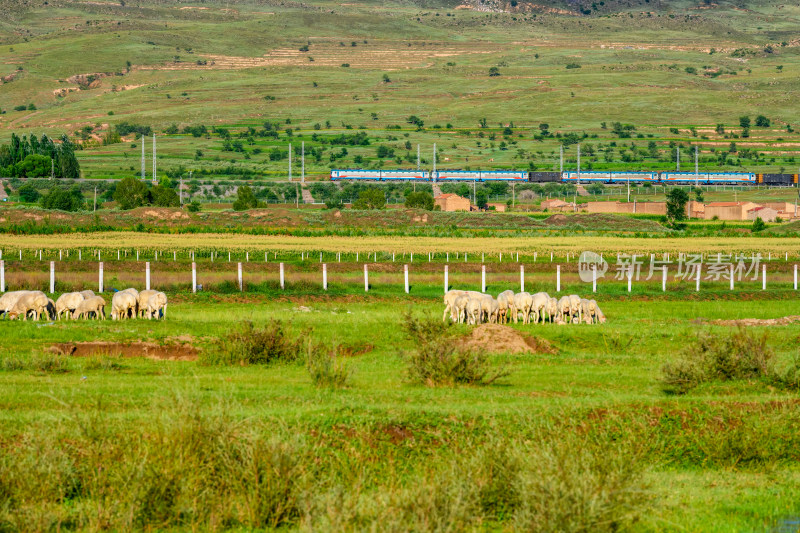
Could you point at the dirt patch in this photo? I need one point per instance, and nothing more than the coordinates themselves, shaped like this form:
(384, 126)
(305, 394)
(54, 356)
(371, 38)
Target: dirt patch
(497, 338)
(749, 322)
(148, 350)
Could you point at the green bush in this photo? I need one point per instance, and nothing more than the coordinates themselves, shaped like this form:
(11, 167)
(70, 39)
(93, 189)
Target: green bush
(255, 346)
(325, 366)
(437, 358)
(736, 356)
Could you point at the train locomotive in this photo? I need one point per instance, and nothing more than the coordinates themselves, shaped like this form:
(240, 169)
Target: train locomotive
(585, 177)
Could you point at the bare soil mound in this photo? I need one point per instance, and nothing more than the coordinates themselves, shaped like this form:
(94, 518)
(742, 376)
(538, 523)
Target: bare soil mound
(747, 322)
(496, 338)
(148, 350)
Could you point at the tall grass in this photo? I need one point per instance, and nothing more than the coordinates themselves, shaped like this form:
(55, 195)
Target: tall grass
(250, 345)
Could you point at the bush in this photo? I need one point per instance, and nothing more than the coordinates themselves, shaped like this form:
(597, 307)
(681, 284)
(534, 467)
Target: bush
(419, 200)
(437, 359)
(758, 225)
(252, 346)
(325, 367)
(739, 355)
(193, 207)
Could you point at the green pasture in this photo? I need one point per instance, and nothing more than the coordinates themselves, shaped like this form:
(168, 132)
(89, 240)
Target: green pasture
(698, 474)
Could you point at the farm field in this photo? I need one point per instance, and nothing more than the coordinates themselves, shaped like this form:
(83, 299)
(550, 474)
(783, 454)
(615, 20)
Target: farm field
(385, 452)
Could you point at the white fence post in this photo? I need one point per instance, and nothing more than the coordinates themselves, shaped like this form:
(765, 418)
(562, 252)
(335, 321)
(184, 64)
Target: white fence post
(763, 277)
(366, 278)
(194, 276)
(405, 273)
(3, 276)
(795, 277)
(697, 278)
(79, 254)
(239, 273)
(412, 257)
(558, 278)
(522, 278)
(483, 278)
(52, 277)
(282, 279)
(664, 278)
(594, 278)
(446, 285)
(325, 276)
(137, 255)
(448, 257)
(100, 278)
(59, 255)
(731, 277)
(630, 277)
(147, 275)
(247, 257)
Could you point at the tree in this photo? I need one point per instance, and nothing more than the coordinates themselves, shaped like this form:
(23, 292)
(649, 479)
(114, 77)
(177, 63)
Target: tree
(370, 198)
(64, 199)
(419, 200)
(758, 225)
(334, 202)
(544, 128)
(481, 199)
(28, 193)
(193, 207)
(163, 196)
(33, 166)
(744, 121)
(494, 71)
(676, 205)
(762, 121)
(698, 194)
(245, 199)
(131, 193)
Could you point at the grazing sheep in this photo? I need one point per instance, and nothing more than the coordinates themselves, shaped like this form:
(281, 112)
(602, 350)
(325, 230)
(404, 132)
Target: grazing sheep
(552, 309)
(155, 304)
(540, 300)
(486, 303)
(505, 302)
(598, 314)
(522, 303)
(8, 300)
(87, 294)
(474, 311)
(459, 308)
(449, 299)
(68, 302)
(141, 301)
(122, 303)
(564, 308)
(494, 311)
(31, 302)
(94, 304)
(575, 306)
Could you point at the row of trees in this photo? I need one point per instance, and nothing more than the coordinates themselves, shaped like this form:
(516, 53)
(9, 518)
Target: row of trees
(32, 157)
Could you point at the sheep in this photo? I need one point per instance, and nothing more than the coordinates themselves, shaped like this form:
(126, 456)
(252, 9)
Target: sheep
(87, 294)
(449, 299)
(121, 303)
(51, 309)
(459, 308)
(8, 300)
(540, 300)
(598, 314)
(505, 302)
(141, 301)
(95, 305)
(564, 307)
(575, 306)
(32, 301)
(486, 303)
(586, 311)
(494, 311)
(522, 303)
(155, 304)
(68, 302)
(552, 309)
(474, 311)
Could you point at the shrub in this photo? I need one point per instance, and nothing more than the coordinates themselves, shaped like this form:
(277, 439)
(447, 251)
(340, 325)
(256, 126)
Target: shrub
(193, 207)
(420, 200)
(325, 367)
(739, 355)
(437, 359)
(255, 346)
(758, 225)
(573, 65)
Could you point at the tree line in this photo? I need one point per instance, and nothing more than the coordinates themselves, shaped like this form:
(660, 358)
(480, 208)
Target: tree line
(32, 157)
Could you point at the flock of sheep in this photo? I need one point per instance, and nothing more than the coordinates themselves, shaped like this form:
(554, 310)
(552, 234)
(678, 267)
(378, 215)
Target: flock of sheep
(129, 303)
(475, 307)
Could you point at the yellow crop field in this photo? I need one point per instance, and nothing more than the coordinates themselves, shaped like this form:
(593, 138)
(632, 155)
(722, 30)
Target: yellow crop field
(559, 245)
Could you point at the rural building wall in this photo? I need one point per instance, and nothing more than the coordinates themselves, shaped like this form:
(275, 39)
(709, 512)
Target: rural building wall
(646, 208)
(767, 214)
(499, 207)
(452, 202)
(787, 208)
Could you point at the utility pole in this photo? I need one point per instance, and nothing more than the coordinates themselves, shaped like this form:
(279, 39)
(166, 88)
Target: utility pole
(154, 160)
(696, 172)
(629, 189)
(418, 158)
(290, 161)
(561, 158)
(143, 169)
(95, 199)
(678, 158)
(434, 161)
(575, 197)
(513, 196)
(297, 195)
(303, 162)
(52, 169)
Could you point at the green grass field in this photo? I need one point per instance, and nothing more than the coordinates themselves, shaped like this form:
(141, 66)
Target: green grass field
(721, 458)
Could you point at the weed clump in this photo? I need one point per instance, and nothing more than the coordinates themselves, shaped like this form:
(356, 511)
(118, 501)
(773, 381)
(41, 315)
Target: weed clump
(436, 359)
(737, 356)
(325, 367)
(250, 345)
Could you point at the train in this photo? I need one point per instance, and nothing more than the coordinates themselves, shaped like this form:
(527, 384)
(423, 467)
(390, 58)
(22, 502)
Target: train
(584, 177)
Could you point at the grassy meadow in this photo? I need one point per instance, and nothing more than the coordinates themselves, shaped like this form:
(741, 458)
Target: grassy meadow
(383, 452)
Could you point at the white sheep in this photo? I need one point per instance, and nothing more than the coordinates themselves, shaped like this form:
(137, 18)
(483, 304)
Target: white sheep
(505, 302)
(87, 294)
(539, 302)
(141, 301)
(8, 300)
(564, 308)
(31, 302)
(122, 303)
(522, 303)
(449, 299)
(575, 306)
(552, 309)
(67, 303)
(94, 304)
(598, 314)
(474, 311)
(459, 309)
(155, 304)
